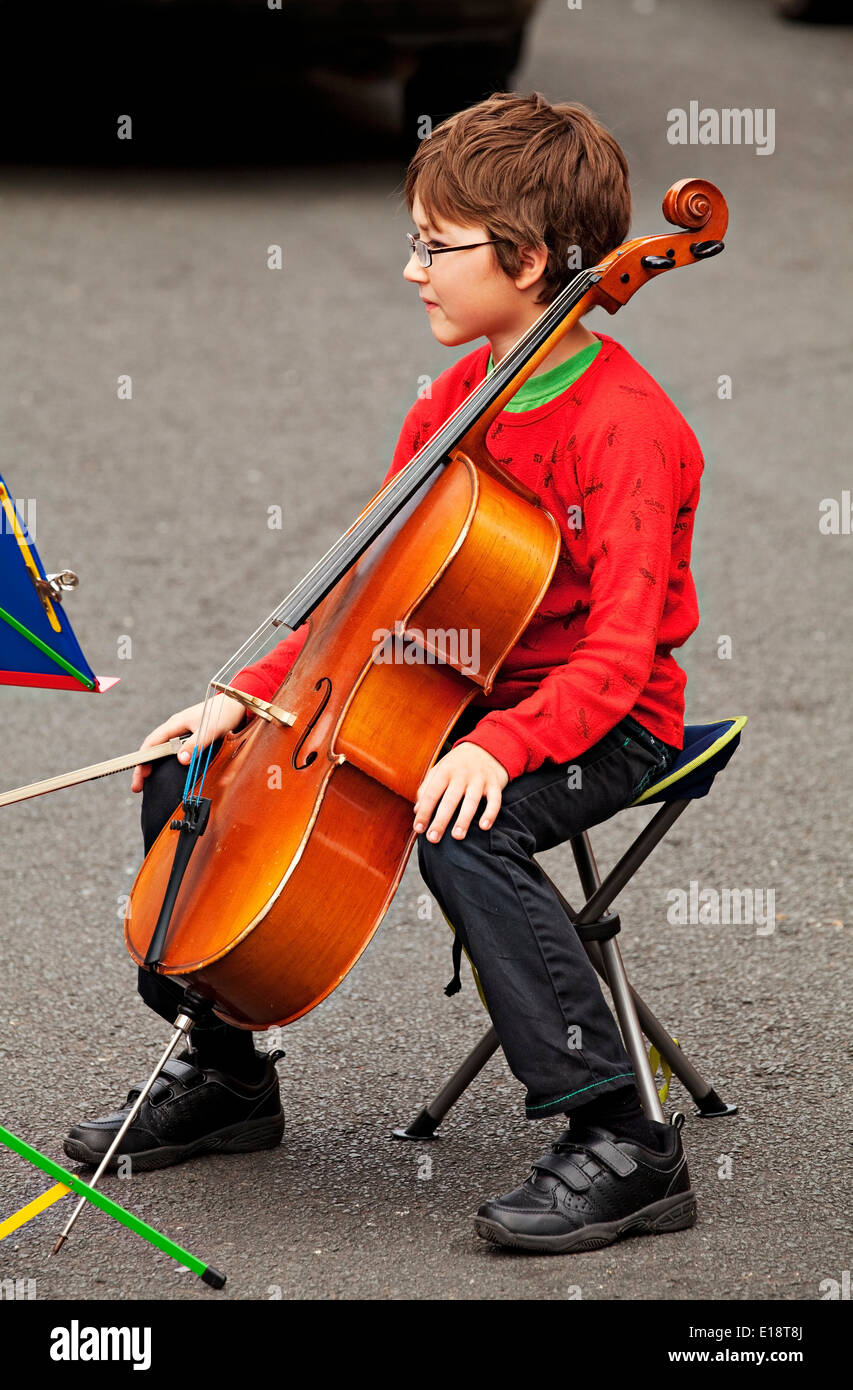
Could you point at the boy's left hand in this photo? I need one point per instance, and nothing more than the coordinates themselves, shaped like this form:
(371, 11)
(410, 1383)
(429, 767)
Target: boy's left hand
(467, 774)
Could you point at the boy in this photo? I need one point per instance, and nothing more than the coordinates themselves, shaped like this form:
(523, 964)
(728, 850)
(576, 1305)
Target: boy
(588, 706)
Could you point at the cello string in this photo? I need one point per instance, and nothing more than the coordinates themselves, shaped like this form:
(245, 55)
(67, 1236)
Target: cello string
(195, 769)
(194, 759)
(252, 645)
(199, 750)
(209, 751)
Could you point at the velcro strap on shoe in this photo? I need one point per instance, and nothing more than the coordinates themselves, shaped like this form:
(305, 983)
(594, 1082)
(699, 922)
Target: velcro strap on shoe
(607, 1153)
(177, 1070)
(184, 1073)
(566, 1167)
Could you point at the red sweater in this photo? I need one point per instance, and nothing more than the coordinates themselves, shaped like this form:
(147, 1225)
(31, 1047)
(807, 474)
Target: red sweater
(618, 467)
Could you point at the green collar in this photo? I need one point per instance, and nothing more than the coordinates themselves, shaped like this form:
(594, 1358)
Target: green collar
(538, 390)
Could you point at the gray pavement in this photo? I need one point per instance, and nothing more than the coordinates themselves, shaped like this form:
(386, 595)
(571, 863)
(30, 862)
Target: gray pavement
(253, 389)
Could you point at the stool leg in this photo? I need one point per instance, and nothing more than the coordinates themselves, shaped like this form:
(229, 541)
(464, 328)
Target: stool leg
(630, 1025)
(614, 973)
(709, 1102)
(711, 1106)
(424, 1125)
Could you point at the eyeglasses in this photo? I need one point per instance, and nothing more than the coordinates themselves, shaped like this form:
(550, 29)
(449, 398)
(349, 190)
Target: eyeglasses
(425, 255)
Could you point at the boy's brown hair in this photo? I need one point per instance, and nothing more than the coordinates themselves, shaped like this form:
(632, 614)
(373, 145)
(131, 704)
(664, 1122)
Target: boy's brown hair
(531, 172)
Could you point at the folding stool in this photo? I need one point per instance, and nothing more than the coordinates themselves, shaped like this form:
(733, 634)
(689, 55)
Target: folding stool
(707, 749)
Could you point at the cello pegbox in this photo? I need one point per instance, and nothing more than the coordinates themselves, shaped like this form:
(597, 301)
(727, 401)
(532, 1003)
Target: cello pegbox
(692, 205)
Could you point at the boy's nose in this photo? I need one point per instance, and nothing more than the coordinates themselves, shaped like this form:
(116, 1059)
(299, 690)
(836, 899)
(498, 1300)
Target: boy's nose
(413, 270)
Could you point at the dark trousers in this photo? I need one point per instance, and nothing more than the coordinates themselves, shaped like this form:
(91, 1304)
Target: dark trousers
(543, 995)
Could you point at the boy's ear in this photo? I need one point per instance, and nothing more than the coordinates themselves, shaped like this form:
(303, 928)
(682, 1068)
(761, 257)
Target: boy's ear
(533, 262)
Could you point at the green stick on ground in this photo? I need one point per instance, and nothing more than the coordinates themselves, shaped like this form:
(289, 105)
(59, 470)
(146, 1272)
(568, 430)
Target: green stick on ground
(206, 1272)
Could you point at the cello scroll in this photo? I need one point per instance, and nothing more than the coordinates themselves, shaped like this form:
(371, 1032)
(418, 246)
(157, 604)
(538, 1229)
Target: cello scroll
(691, 204)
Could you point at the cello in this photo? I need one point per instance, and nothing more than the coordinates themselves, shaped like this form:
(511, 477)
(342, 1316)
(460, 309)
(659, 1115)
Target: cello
(262, 893)
(269, 881)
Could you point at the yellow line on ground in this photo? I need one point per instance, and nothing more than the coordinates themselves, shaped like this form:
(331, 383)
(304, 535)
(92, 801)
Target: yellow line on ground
(33, 1208)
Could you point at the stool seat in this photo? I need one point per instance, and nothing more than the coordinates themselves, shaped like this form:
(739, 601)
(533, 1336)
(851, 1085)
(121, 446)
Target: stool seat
(707, 749)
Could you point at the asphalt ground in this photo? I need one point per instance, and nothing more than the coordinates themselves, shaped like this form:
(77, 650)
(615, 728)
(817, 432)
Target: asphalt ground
(255, 389)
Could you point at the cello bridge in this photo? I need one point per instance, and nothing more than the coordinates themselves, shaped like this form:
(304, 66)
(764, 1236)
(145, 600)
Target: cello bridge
(273, 714)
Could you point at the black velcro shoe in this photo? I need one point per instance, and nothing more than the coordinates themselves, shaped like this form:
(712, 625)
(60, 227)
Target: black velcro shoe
(189, 1110)
(592, 1189)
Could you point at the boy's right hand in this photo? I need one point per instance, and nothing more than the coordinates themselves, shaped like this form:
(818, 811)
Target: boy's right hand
(223, 715)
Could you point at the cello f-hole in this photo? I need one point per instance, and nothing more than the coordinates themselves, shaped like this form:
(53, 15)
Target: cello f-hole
(295, 764)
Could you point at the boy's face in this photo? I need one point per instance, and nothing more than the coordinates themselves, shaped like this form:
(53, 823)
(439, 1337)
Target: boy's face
(466, 293)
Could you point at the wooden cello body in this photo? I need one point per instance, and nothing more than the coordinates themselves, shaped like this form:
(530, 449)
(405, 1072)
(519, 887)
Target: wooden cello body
(313, 823)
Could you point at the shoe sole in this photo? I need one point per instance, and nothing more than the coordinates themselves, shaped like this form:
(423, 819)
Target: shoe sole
(234, 1139)
(670, 1214)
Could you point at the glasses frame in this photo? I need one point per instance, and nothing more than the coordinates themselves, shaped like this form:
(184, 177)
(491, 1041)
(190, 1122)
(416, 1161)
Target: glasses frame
(417, 243)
